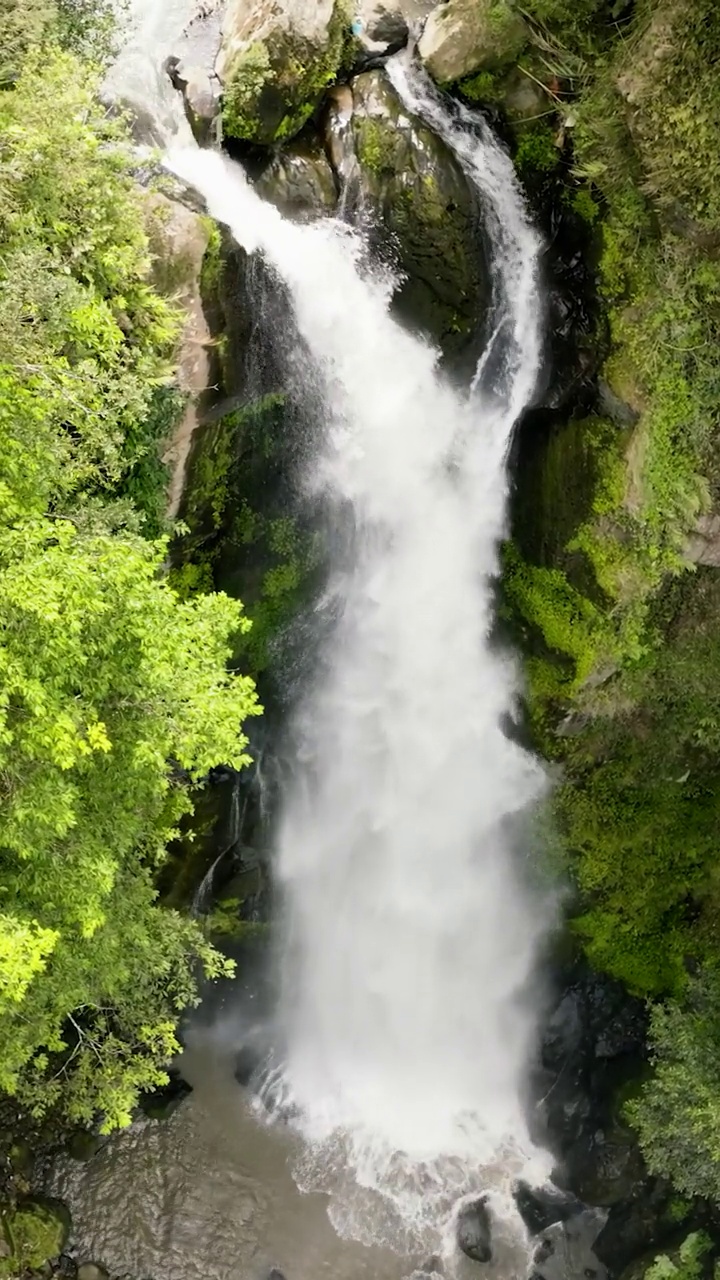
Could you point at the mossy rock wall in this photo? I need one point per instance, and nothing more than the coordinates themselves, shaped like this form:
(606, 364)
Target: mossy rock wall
(429, 219)
(275, 62)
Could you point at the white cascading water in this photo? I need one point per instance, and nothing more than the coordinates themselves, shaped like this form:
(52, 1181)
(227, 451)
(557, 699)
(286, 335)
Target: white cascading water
(410, 935)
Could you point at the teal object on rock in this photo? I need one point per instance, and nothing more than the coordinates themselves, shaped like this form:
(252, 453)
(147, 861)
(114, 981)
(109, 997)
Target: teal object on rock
(356, 27)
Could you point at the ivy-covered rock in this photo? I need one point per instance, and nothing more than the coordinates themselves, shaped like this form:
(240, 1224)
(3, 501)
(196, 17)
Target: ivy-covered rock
(33, 1233)
(276, 59)
(463, 37)
(428, 210)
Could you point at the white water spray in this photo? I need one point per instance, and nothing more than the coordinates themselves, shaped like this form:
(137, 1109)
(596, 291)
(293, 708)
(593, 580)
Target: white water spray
(409, 934)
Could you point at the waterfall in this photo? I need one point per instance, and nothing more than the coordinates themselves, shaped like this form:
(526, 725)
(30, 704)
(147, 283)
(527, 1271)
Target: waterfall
(409, 933)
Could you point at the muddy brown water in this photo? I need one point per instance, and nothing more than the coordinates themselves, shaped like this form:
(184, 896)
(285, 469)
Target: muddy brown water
(209, 1194)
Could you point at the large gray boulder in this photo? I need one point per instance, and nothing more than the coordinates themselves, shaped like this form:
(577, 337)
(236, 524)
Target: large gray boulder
(426, 211)
(276, 59)
(462, 37)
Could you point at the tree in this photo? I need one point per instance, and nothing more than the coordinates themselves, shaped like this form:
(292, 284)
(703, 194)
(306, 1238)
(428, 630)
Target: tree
(113, 695)
(678, 1111)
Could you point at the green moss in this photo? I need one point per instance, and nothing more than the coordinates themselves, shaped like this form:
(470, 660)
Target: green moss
(536, 151)
(236, 546)
(35, 1232)
(146, 479)
(212, 263)
(582, 203)
(483, 87)
(244, 84)
(374, 146)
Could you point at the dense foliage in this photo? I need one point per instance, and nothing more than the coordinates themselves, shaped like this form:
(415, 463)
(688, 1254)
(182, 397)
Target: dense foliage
(621, 628)
(114, 693)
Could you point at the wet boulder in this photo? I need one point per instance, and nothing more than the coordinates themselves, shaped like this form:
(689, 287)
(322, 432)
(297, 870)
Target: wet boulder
(380, 29)
(92, 1271)
(162, 1102)
(463, 37)
(541, 1207)
(473, 1230)
(648, 1222)
(566, 1249)
(426, 215)
(300, 182)
(276, 59)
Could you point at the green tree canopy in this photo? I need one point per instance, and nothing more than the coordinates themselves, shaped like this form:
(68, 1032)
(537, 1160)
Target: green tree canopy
(115, 695)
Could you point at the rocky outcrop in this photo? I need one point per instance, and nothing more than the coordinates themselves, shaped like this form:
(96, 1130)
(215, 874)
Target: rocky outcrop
(276, 59)
(568, 1249)
(422, 212)
(179, 239)
(603, 1210)
(462, 37)
(201, 92)
(428, 214)
(703, 546)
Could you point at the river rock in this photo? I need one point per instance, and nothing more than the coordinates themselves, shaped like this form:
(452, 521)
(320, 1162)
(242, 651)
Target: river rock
(426, 215)
(276, 59)
(300, 182)
(91, 1271)
(473, 1230)
(462, 37)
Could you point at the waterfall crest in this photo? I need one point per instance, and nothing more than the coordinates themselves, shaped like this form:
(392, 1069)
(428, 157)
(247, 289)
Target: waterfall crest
(409, 932)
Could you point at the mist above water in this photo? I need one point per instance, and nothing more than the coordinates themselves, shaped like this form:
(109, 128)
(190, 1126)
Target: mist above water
(409, 933)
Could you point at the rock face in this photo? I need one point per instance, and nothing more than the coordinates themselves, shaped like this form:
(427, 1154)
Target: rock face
(201, 92)
(427, 211)
(179, 239)
(276, 58)
(473, 1230)
(462, 37)
(380, 29)
(592, 1047)
(704, 545)
(592, 1041)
